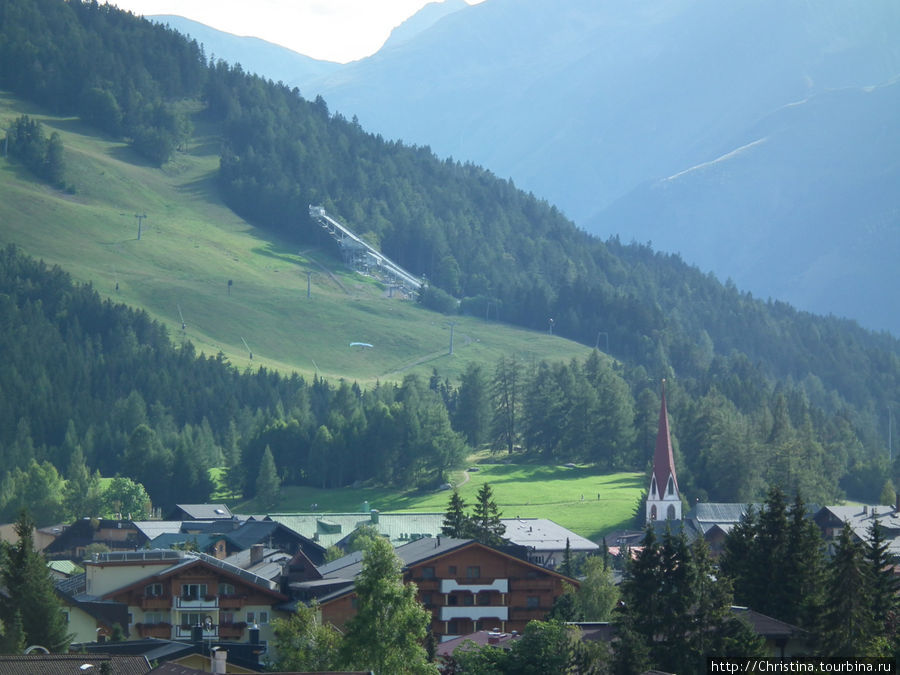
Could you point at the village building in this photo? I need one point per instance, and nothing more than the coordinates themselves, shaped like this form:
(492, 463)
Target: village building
(170, 595)
(466, 585)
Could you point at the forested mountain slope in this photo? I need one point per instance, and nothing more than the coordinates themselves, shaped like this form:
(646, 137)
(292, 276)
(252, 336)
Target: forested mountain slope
(589, 103)
(764, 394)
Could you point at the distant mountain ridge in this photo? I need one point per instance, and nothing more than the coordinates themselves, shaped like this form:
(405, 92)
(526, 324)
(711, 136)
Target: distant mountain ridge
(588, 104)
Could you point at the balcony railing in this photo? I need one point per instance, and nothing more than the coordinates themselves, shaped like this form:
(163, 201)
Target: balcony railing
(197, 602)
(475, 612)
(187, 632)
(499, 585)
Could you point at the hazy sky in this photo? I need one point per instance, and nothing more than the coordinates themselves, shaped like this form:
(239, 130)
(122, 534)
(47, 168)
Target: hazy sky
(334, 30)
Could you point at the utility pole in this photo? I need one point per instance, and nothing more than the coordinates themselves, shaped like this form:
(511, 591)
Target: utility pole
(451, 324)
(140, 219)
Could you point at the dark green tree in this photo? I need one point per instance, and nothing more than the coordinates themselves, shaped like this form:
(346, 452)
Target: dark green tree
(30, 596)
(472, 406)
(486, 525)
(456, 523)
(884, 582)
(268, 485)
(849, 622)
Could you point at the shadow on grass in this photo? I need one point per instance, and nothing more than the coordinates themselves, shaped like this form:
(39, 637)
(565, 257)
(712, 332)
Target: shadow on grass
(126, 154)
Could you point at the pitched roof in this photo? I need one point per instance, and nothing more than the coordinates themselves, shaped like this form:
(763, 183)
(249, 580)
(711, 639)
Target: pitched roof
(329, 528)
(663, 460)
(205, 511)
(767, 626)
(412, 553)
(66, 664)
(720, 513)
(541, 534)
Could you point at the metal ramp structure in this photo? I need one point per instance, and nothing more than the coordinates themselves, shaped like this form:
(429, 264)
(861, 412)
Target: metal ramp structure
(362, 256)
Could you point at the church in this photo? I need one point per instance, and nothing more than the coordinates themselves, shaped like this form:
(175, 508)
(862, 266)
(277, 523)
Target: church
(663, 499)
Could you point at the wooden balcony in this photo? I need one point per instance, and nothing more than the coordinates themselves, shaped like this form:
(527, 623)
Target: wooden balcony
(232, 631)
(156, 602)
(232, 601)
(162, 631)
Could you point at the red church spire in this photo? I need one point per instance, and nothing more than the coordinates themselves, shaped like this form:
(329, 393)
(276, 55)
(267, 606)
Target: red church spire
(663, 461)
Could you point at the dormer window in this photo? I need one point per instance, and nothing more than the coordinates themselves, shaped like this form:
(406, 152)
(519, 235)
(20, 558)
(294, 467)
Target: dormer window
(670, 488)
(653, 490)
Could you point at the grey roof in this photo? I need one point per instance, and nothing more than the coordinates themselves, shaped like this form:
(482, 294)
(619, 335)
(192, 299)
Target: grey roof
(65, 664)
(153, 528)
(269, 567)
(205, 511)
(412, 553)
(718, 512)
(861, 518)
(541, 534)
(329, 528)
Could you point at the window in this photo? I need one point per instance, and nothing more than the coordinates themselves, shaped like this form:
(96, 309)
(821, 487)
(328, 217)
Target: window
(451, 571)
(153, 617)
(453, 627)
(153, 590)
(262, 617)
(468, 599)
(226, 589)
(426, 599)
(193, 591)
(191, 619)
(65, 617)
(473, 572)
(670, 487)
(428, 573)
(533, 602)
(653, 512)
(484, 598)
(453, 600)
(226, 618)
(670, 513)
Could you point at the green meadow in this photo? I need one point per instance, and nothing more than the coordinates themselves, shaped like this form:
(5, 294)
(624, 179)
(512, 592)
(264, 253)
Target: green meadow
(578, 498)
(192, 245)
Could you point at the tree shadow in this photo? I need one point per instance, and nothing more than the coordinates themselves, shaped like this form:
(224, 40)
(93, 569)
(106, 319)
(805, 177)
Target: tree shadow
(128, 155)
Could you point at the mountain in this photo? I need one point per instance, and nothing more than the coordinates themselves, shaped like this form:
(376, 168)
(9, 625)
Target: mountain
(586, 103)
(591, 104)
(805, 202)
(254, 55)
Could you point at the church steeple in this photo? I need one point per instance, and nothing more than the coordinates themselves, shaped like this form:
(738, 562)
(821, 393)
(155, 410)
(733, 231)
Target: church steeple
(663, 499)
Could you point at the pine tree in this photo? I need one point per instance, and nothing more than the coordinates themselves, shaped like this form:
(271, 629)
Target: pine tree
(388, 631)
(31, 600)
(485, 521)
(267, 481)
(849, 622)
(456, 524)
(472, 410)
(884, 583)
